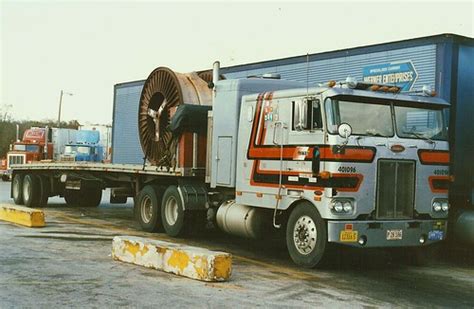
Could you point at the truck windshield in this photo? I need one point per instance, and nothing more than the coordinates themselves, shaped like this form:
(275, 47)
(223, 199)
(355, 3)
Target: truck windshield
(69, 149)
(420, 123)
(83, 150)
(364, 118)
(28, 148)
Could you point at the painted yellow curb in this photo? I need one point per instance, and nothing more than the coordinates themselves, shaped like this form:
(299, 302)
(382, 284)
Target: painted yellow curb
(22, 215)
(191, 262)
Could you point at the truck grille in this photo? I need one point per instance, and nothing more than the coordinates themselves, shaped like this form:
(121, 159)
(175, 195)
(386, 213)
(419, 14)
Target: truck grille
(15, 159)
(395, 189)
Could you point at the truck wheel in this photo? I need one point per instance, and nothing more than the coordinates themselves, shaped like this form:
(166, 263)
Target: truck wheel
(90, 197)
(147, 209)
(306, 235)
(31, 190)
(71, 197)
(172, 212)
(45, 190)
(17, 189)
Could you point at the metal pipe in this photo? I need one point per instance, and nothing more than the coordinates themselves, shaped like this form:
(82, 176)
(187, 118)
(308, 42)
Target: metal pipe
(195, 150)
(216, 68)
(60, 105)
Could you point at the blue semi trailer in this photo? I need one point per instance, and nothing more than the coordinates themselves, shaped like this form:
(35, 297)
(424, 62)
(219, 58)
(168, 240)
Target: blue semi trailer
(86, 148)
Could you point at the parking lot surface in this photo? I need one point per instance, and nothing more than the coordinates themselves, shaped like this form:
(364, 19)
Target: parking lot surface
(68, 263)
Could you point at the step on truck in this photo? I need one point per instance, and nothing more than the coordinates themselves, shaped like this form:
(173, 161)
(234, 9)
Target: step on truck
(351, 163)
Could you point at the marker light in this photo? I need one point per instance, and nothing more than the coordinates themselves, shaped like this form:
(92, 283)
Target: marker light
(351, 82)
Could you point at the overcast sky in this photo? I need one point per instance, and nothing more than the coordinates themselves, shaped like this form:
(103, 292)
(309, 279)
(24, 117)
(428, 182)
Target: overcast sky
(85, 47)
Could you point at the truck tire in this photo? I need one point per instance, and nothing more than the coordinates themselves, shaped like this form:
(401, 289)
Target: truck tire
(306, 236)
(172, 213)
(90, 197)
(31, 190)
(45, 190)
(148, 209)
(17, 189)
(83, 198)
(71, 197)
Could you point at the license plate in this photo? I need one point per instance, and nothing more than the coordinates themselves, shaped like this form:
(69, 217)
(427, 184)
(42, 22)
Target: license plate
(435, 235)
(394, 234)
(348, 236)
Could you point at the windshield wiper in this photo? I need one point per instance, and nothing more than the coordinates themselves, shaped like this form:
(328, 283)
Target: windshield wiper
(418, 135)
(372, 133)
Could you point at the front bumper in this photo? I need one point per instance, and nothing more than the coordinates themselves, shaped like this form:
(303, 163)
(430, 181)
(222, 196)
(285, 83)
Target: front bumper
(381, 233)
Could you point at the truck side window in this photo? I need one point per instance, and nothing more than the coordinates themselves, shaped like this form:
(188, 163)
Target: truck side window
(313, 119)
(316, 118)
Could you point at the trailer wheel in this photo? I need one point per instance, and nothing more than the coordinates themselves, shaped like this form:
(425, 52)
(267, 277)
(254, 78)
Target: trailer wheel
(147, 209)
(71, 197)
(31, 190)
(172, 213)
(45, 190)
(90, 197)
(306, 236)
(17, 189)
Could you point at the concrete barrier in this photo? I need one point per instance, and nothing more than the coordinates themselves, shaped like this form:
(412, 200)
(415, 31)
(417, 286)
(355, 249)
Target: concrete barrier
(22, 215)
(191, 262)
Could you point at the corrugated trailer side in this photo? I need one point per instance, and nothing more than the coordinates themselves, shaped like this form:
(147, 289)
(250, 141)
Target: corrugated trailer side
(126, 147)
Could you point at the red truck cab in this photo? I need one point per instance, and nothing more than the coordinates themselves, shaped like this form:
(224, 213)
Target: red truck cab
(33, 147)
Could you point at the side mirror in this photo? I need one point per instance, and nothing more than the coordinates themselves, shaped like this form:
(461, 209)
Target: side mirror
(316, 160)
(344, 130)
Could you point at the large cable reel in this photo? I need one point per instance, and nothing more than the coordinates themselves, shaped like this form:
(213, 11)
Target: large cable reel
(163, 91)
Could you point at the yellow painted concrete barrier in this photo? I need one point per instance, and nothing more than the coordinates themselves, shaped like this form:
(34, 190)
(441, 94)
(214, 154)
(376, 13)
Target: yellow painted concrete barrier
(22, 215)
(191, 262)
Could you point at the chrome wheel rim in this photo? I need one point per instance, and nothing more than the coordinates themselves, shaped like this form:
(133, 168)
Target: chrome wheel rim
(26, 190)
(171, 211)
(146, 209)
(305, 235)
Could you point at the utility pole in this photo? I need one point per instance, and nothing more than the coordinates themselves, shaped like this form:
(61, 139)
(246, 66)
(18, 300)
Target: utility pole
(60, 105)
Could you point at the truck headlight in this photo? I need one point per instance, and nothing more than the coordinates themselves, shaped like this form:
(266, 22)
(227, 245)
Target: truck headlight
(347, 206)
(342, 206)
(440, 205)
(437, 206)
(338, 207)
(444, 206)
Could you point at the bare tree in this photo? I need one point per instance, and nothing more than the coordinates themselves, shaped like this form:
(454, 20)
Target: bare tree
(5, 114)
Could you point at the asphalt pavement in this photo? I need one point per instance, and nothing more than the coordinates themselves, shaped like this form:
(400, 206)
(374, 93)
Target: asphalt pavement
(68, 263)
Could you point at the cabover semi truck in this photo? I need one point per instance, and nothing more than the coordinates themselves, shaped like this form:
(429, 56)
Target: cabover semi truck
(351, 163)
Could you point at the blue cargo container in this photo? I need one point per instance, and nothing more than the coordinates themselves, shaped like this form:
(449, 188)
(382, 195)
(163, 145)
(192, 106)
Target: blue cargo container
(446, 62)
